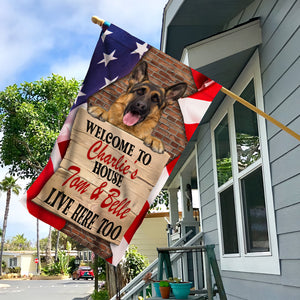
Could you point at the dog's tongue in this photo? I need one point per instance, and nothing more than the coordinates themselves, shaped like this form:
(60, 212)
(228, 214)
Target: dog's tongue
(130, 119)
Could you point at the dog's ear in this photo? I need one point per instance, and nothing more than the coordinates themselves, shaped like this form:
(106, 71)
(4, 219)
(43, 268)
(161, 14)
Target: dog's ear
(175, 92)
(139, 73)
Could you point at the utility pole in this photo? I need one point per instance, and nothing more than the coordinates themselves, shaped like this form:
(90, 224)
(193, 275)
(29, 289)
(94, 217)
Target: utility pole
(96, 272)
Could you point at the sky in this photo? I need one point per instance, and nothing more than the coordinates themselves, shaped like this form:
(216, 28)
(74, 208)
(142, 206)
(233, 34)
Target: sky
(41, 37)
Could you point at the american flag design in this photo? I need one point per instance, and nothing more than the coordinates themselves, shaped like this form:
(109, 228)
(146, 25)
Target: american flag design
(115, 55)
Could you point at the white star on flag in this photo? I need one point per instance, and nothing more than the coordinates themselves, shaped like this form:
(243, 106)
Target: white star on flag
(107, 58)
(141, 49)
(80, 93)
(105, 34)
(98, 76)
(107, 81)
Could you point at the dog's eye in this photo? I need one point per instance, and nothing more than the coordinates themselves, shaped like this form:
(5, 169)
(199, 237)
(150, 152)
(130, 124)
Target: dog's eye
(140, 92)
(155, 98)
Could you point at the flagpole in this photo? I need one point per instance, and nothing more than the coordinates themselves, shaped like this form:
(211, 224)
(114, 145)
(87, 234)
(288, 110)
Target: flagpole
(260, 112)
(98, 21)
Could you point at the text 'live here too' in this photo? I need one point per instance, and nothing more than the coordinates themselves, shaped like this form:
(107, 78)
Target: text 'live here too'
(104, 179)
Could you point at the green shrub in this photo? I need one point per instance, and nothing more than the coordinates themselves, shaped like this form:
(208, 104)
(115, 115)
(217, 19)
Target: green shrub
(101, 295)
(3, 265)
(60, 267)
(14, 270)
(99, 266)
(72, 266)
(134, 262)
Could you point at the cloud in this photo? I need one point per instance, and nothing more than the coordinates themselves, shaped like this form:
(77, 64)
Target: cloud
(19, 219)
(36, 35)
(140, 18)
(21, 40)
(73, 66)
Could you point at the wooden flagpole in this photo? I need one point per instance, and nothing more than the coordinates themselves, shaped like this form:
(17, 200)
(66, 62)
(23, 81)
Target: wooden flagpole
(260, 112)
(234, 96)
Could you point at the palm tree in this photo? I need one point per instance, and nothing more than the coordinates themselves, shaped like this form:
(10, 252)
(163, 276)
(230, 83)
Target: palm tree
(8, 185)
(19, 242)
(48, 247)
(38, 265)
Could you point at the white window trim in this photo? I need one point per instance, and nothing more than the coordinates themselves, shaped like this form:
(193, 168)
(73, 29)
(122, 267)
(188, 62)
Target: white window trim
(259, 262)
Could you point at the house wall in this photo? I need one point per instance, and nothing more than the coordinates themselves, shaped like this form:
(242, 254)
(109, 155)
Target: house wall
(27, 264)
(151, 235)
(24, 260)
(280, 65)
(6, 258)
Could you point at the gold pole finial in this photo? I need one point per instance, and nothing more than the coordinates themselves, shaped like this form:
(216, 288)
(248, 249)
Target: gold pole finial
(98, 21)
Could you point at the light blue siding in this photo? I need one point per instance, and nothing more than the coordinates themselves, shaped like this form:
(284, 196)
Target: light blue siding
(287, 193)
(280, 68)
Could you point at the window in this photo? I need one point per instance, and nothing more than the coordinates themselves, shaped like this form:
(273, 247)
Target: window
(255, 216)
(246, 221)
(246, 130)
(223, 155)
(85, 256)
(13, 262)
(230, 241)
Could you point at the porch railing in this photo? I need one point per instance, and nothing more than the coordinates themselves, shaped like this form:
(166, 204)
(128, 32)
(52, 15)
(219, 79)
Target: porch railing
(210, 290)
(207, 280)
(137, 286)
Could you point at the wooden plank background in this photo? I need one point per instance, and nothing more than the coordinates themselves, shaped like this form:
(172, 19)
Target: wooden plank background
(76, 179)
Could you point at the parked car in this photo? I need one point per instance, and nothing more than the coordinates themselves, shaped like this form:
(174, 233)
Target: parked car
(84, 272)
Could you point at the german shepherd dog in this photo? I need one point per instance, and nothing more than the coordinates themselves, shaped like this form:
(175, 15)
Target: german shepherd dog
(139, 109)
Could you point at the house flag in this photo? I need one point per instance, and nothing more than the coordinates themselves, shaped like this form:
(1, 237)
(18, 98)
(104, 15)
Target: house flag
(134, 114)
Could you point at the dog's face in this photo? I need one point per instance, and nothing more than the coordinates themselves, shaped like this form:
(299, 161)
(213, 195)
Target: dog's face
(139, 109)
(145, 99)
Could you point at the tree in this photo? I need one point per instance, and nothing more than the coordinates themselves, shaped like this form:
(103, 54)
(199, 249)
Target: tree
(18, 242)
(60, 267)
(38, 265)
(59, 241)
(8, 185)
(117, 277)
(160, 202)
(134, 262)
(31, 116)
(48, 248)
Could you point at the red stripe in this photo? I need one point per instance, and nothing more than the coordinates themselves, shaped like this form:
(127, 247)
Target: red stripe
(170, 166)
(208, 93)
(136, 223)
(109, 260)
(63, 147)
(190, 129)
(199, 78)
(38, 211)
